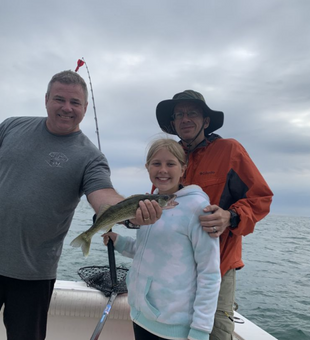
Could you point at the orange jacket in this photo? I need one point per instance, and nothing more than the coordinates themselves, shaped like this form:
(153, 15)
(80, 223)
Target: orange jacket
(225, 171)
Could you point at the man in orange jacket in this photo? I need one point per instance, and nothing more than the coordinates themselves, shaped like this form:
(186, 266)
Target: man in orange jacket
(238, 193)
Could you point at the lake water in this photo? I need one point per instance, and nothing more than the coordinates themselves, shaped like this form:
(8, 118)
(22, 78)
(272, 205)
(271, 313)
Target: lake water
(273, 289)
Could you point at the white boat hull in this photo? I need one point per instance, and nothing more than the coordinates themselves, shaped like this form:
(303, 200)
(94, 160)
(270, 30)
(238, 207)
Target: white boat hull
(76, 309)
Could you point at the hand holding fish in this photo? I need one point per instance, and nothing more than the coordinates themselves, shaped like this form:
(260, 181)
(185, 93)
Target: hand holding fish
(148, 213)
(125, 210)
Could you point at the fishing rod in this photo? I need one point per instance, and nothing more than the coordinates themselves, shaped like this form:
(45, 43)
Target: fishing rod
(80, 63)
(115, 290)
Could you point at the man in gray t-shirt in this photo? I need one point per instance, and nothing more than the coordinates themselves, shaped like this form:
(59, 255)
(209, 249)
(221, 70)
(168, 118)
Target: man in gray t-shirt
(46, 165)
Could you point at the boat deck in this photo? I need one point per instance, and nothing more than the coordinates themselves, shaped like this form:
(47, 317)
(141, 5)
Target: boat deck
(75, 310)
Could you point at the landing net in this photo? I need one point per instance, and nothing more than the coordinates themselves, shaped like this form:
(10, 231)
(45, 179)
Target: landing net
(99, 277)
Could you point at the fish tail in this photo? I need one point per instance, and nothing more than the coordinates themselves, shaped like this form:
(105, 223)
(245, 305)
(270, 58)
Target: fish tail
(82, 241)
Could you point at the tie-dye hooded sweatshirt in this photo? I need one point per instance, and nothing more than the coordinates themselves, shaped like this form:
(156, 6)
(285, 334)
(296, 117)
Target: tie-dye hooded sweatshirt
(174, 280)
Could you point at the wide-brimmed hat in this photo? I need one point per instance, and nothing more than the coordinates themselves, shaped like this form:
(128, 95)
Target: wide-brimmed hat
(165, 110)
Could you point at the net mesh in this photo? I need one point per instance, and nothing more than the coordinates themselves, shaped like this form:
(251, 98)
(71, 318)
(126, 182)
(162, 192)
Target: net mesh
(99, 277)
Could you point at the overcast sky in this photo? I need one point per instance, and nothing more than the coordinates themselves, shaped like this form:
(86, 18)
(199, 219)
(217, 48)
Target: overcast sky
(250, 59)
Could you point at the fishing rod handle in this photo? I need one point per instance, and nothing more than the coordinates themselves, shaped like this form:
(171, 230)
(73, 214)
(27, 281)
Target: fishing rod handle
(112, 264)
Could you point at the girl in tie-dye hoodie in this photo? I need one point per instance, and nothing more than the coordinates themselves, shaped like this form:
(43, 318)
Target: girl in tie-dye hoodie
(174, 280)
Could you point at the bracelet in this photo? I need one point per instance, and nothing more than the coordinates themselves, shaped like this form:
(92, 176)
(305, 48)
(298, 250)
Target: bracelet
(130, 225)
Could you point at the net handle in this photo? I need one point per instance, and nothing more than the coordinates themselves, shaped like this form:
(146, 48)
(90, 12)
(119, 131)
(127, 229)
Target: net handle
(112, 264)
(106, 311)
(103, 319)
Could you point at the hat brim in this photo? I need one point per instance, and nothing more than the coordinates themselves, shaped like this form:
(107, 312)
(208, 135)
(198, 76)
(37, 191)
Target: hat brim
(165, 109)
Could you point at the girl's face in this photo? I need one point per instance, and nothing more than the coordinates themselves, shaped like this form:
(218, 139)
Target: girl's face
(165, 171)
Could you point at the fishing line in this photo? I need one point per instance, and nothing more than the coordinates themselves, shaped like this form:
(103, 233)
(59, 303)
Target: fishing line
(80, 63)
(117, 283)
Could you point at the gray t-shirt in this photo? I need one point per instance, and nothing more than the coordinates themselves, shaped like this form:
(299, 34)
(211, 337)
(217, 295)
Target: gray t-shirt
(42, 178)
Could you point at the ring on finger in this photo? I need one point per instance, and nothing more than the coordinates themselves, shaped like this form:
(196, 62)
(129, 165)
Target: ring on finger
(214, 229)
(146, 219)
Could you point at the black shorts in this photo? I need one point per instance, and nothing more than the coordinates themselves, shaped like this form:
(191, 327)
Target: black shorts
(143, 334)
(26, 304)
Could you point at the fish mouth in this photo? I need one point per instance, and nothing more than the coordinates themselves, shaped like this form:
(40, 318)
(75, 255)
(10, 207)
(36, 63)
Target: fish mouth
(171, 202)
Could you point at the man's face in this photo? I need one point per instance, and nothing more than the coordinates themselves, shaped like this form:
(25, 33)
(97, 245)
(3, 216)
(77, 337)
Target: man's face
(188, 120)
(66, 106)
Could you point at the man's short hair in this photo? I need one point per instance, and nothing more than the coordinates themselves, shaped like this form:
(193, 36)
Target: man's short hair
(68, 77)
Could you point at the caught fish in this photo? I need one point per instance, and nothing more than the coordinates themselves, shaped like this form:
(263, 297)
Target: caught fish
(124, 210)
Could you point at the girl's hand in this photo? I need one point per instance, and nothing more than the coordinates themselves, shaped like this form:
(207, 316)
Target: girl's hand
(108, 236)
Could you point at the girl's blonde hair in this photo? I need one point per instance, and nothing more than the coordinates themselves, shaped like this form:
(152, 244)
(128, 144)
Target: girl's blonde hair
(171, 145)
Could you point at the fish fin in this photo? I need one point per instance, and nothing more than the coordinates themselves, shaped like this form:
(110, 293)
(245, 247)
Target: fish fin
(102, 210)
(82, 241)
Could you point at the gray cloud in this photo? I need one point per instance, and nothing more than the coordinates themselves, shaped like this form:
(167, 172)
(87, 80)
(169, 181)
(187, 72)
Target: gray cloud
(250, 59)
